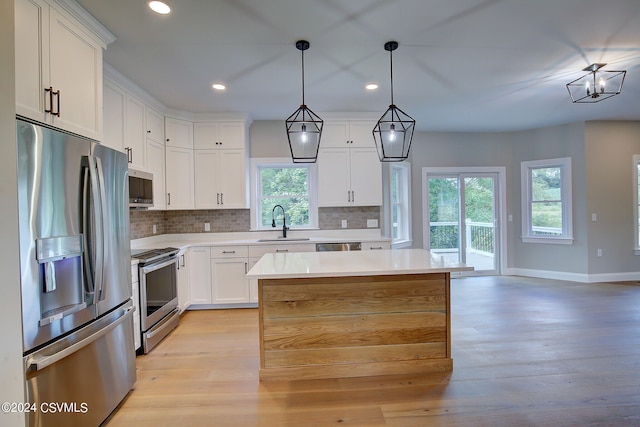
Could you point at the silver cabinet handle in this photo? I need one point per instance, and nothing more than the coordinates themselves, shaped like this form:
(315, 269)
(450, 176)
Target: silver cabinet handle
(377, 247)
(282, 250)
(353, 196)
(169, 199)
(222, 197)
(246, 268)
(228, 252)
(217, 198)
(348, 196)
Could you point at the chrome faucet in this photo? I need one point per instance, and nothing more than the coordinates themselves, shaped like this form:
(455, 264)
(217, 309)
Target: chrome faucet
(284, 220)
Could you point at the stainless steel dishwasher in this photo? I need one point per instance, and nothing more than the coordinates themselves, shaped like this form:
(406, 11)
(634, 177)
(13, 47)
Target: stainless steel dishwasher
(332, 247)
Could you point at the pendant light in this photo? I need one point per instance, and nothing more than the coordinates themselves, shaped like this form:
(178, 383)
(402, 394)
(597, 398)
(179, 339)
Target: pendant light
(596, 85)
(304, 127)
(394, 131)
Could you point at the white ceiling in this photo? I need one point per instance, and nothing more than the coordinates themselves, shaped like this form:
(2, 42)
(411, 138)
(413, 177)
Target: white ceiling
(462, 65)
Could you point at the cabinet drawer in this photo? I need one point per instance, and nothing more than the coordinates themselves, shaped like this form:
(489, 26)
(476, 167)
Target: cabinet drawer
(367, 246)
(229, 251)
(258, 251)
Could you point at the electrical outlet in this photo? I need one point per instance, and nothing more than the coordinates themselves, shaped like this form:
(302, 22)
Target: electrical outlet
(594, 217)
(372, 223)
(155, 230)
(207, 226)
(598, 252)
(344, 223)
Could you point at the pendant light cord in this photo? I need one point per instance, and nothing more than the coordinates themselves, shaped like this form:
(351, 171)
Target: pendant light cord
(302, 50)
(391, 66)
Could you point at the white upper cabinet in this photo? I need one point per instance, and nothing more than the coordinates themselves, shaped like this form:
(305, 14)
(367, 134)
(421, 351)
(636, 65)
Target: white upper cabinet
(357, 133)
(220, 167)
(58, 69)
(115, 102)
(154, 129)
(179, 175)
(134, 135)
(349, 171)
(211, 135)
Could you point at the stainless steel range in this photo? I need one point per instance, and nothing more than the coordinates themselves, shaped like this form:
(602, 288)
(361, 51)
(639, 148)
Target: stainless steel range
(159, 313)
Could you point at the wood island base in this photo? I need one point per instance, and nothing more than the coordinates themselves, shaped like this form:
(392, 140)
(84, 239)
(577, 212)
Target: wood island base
(354, 326)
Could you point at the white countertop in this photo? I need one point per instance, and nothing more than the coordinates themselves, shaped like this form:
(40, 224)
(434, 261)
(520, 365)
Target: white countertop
(355, 263)
(257, 238)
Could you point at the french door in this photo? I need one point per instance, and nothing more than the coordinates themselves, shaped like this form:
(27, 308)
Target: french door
(461, 218)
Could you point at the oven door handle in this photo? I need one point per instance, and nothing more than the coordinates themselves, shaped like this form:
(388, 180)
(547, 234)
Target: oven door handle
(157, 266)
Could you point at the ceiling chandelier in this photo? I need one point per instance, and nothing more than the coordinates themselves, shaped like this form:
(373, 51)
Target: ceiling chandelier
(596, 85)
(394, 130)
(304, 127)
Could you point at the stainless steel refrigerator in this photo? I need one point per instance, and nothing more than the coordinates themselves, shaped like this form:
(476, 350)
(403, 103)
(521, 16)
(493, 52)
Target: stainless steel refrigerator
(77, 315)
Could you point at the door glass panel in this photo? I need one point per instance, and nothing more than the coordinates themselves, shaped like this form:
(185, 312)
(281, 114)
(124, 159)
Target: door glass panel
(444, 219)
(479, 209)
(462, 219)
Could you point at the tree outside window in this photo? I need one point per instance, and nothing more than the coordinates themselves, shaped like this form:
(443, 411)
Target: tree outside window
(546, 201)
(288, 186)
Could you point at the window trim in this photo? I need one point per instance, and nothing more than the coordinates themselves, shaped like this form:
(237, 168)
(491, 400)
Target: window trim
(405, 168)
(636, 211)
(258, 162)
(564, 163)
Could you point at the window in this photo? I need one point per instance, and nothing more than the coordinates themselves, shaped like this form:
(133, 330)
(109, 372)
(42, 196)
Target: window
(546, 201)
(400, 203)
(636, 202)
(277, 182)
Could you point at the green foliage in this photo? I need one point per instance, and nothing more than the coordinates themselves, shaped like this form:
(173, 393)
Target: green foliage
(289, 187)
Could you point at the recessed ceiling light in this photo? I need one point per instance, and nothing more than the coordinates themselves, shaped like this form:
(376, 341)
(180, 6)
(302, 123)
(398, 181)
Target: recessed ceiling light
(159, 7)
(218, 86)
(371, 86)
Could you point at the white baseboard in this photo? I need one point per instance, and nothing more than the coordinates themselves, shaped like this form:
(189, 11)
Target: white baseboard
(573, 277)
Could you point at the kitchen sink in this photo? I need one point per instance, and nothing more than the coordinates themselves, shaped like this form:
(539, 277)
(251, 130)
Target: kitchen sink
(285, 239)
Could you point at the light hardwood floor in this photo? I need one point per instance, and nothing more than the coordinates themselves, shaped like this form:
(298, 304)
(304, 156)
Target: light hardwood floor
(526, 352)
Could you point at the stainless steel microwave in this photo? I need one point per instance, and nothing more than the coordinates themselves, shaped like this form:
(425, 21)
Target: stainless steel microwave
(140, 189)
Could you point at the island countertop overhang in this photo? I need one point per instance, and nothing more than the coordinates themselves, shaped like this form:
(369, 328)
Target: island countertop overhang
(355, 263)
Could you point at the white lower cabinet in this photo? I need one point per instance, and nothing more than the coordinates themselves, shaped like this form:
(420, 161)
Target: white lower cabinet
(369, 246)
(229, 266)
(184, 293)
(200, 274)
(135, 296)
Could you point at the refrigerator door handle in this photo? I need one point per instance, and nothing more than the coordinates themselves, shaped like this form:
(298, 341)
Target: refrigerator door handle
(97, 191)
(37, 362)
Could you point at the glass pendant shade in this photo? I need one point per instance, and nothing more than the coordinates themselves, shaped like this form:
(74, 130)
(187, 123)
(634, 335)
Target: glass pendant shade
(393, 132)
(304, 129)
(597, 85)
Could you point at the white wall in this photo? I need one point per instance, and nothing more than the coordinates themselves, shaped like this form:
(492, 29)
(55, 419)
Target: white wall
(11, 375)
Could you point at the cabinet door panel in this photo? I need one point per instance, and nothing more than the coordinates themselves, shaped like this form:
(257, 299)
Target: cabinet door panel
(32, 64)
(207, 195)
(231, 135)
(154, 125)
(232, 179)
(178, 133)
(200, 275)
(179, 178)
(334, 134)
(134, 132)
(333, 177)
(205, 136)
(155, 165)
(361, 133)
(366, 177)
(229, 282)
(76, 72)
(115, 101)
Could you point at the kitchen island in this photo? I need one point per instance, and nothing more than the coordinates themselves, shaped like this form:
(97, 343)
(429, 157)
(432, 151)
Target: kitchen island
(352, 314)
